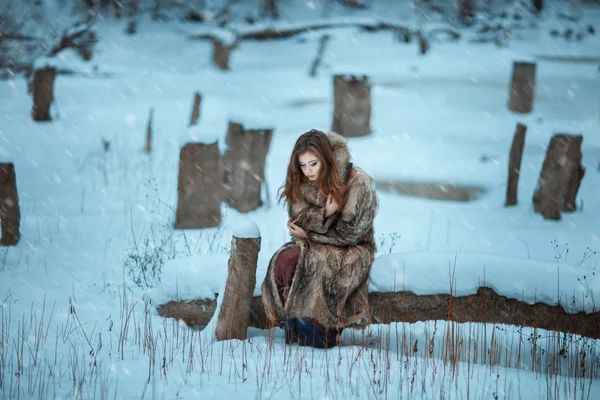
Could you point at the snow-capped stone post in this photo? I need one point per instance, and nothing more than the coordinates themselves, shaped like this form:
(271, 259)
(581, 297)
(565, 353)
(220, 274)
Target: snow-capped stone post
(196, 109)
(352, 105)
(514, 165)
(199, 186)
(522, 88)
(10, 215)
(560, 177)
(42, 89)
(244, 164)
(234, 315)
(222, 47)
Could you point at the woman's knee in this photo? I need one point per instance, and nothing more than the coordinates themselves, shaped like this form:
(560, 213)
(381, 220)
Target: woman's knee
(285, 265)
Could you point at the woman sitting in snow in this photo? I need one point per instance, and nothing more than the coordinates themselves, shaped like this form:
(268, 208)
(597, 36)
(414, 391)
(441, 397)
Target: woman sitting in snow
(316, 285)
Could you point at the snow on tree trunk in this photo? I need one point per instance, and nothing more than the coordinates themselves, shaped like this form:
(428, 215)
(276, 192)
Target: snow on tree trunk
(10, 215)
(522, 87)
(514, 165)
(232, 322)
(199, 187)
(43, 93)
(352, 105)
(196, 109)
(560, 177)
(244, 162)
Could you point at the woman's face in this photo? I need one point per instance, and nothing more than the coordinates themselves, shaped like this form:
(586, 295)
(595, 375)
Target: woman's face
(310, 165)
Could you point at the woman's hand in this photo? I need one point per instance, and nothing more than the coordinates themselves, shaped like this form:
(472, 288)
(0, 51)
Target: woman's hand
(295, 230)
(331, 207)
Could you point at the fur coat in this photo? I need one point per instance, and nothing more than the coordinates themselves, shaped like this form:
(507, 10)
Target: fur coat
(331, 278)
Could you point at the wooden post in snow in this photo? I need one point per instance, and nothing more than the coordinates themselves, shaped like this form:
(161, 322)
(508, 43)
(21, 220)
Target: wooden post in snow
(196, 109)
(133, 7)
(234, 315)
(131, 27)
(244, 163)
(156, 10)
(560, 177)
(352, 105)
(199, 188)
(423, 43)
(222, 52)
(148, 146)
(317, 61)
(10, 215)
(269, 8)
(514, 165)
(117, 8)
(522, 89)
(42, 87)
(466, 12)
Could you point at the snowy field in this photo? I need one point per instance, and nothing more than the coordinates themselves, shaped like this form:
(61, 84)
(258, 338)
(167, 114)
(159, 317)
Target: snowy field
(75, 325)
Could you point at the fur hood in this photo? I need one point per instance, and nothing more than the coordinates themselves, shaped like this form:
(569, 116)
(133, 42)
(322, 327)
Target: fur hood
(341, 154)
(309, 190)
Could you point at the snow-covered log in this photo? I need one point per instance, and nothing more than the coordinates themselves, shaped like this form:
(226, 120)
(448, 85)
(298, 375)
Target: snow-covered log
(485, 306)
(286, 31)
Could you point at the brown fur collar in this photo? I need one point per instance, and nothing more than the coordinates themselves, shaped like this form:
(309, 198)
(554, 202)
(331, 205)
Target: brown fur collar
(309, 190)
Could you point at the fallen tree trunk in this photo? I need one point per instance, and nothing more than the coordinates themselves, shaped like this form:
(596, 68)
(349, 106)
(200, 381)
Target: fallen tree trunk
(80, 37)
(16, 36)
(486, 306)
(270, 33)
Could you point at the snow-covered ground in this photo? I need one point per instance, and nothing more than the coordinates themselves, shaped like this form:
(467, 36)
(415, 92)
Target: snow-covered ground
(74, 324)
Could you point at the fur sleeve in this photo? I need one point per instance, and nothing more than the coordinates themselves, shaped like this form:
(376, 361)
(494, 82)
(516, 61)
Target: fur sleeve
(356, 217)
(311, 218)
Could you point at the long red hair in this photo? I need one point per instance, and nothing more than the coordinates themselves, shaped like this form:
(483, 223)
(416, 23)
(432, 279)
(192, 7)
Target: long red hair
(329, 181)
